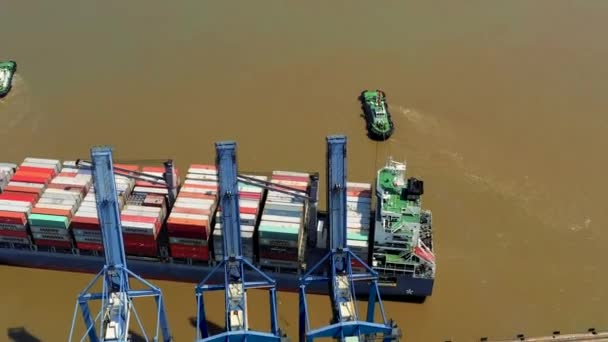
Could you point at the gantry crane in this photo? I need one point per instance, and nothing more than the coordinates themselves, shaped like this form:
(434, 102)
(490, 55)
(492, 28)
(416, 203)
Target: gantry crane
(345, 325)
(233, 264)
(117, 295)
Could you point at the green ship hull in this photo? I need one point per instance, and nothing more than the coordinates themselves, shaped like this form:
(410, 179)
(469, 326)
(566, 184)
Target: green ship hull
(403, 237)
(377, 116)
(7, 71)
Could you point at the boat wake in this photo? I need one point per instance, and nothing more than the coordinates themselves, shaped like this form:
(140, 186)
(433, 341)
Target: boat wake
(17, 110)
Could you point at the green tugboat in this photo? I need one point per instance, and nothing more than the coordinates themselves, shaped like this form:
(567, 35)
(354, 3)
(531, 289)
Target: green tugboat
(403, 236)
(7, 70)
(379, 123)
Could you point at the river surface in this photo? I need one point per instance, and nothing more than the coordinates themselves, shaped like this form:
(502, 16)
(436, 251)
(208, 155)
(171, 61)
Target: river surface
(500, 106)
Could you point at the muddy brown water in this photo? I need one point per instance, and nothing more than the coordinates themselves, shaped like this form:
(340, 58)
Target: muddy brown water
(499, 106)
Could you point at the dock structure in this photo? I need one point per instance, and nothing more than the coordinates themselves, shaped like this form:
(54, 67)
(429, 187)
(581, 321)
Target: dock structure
(590, 335)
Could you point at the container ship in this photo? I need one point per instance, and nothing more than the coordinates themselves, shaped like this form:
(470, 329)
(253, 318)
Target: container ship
(48, 220)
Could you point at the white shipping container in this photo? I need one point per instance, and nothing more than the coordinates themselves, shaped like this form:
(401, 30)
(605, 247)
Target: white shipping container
(290, 173)
(15, 203)
(27, 185)
(198, 190)
(42, 161)
(55, 168)
(58, 201)
(55, 206)
(280, 224)
(358, 186)
(53, 237)
(70, 181)
(142, 208)
(195, 176)
(141, 214)
(138, 227)
(86, 214)
(190, 216)
(200, 201)
(88, 239)
(281, 218)
(17, 209)
(197, 170)
(200, 182)
(87, 232)
(49, 230)
(162, 191)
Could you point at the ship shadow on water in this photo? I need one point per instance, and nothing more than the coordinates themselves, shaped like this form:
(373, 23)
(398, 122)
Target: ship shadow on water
(21, 334)
(213, 328)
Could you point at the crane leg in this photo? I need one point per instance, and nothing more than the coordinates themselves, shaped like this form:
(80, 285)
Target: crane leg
(201, 320)
(162, 317)
(88, 321)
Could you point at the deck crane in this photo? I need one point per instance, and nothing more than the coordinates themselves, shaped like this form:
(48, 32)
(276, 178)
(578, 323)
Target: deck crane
(233, 264)
(345, 325)
(117, 294)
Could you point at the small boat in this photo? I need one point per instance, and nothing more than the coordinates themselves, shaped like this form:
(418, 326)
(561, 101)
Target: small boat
(375, 108)
(7, 70)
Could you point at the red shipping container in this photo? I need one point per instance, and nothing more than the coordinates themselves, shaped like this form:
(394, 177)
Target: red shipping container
(250, 195)
(53, 243)
(48, 211)
(186, 230)
(89, 246)
(87, 223)
(24, 189)
(67, 174)
(19, 196)
(135, 238)
(355, 263)
(187, 251)
(47, 171)
(194, 211)
(27, 179)
(359, 193)
(13, 233)
(9, 217)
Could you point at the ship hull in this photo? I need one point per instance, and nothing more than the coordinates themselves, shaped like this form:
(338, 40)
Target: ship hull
(404, 289)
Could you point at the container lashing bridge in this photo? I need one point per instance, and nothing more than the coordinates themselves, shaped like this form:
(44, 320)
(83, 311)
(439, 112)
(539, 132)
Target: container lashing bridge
(345, 325)
(117, 307)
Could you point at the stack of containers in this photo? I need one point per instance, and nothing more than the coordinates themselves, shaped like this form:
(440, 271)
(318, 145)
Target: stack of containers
(25, 188)
(188, 225)
(250, 200)
(358, 202)
(282, 222)
(32, 176)
(144, 214)
(51, 216)
(85, 223)
(14, 209)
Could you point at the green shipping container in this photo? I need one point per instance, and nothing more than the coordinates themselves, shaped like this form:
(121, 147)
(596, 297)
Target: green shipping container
(48, 221)
(278, 232)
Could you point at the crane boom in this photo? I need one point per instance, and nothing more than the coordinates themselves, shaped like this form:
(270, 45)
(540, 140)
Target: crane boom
(233, 264)
(346, 323)
(116, 297)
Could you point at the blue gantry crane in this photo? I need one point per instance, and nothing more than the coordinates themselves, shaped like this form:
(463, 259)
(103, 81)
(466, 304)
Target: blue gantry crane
(116, 295)
(233, 265)
(345, 325)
